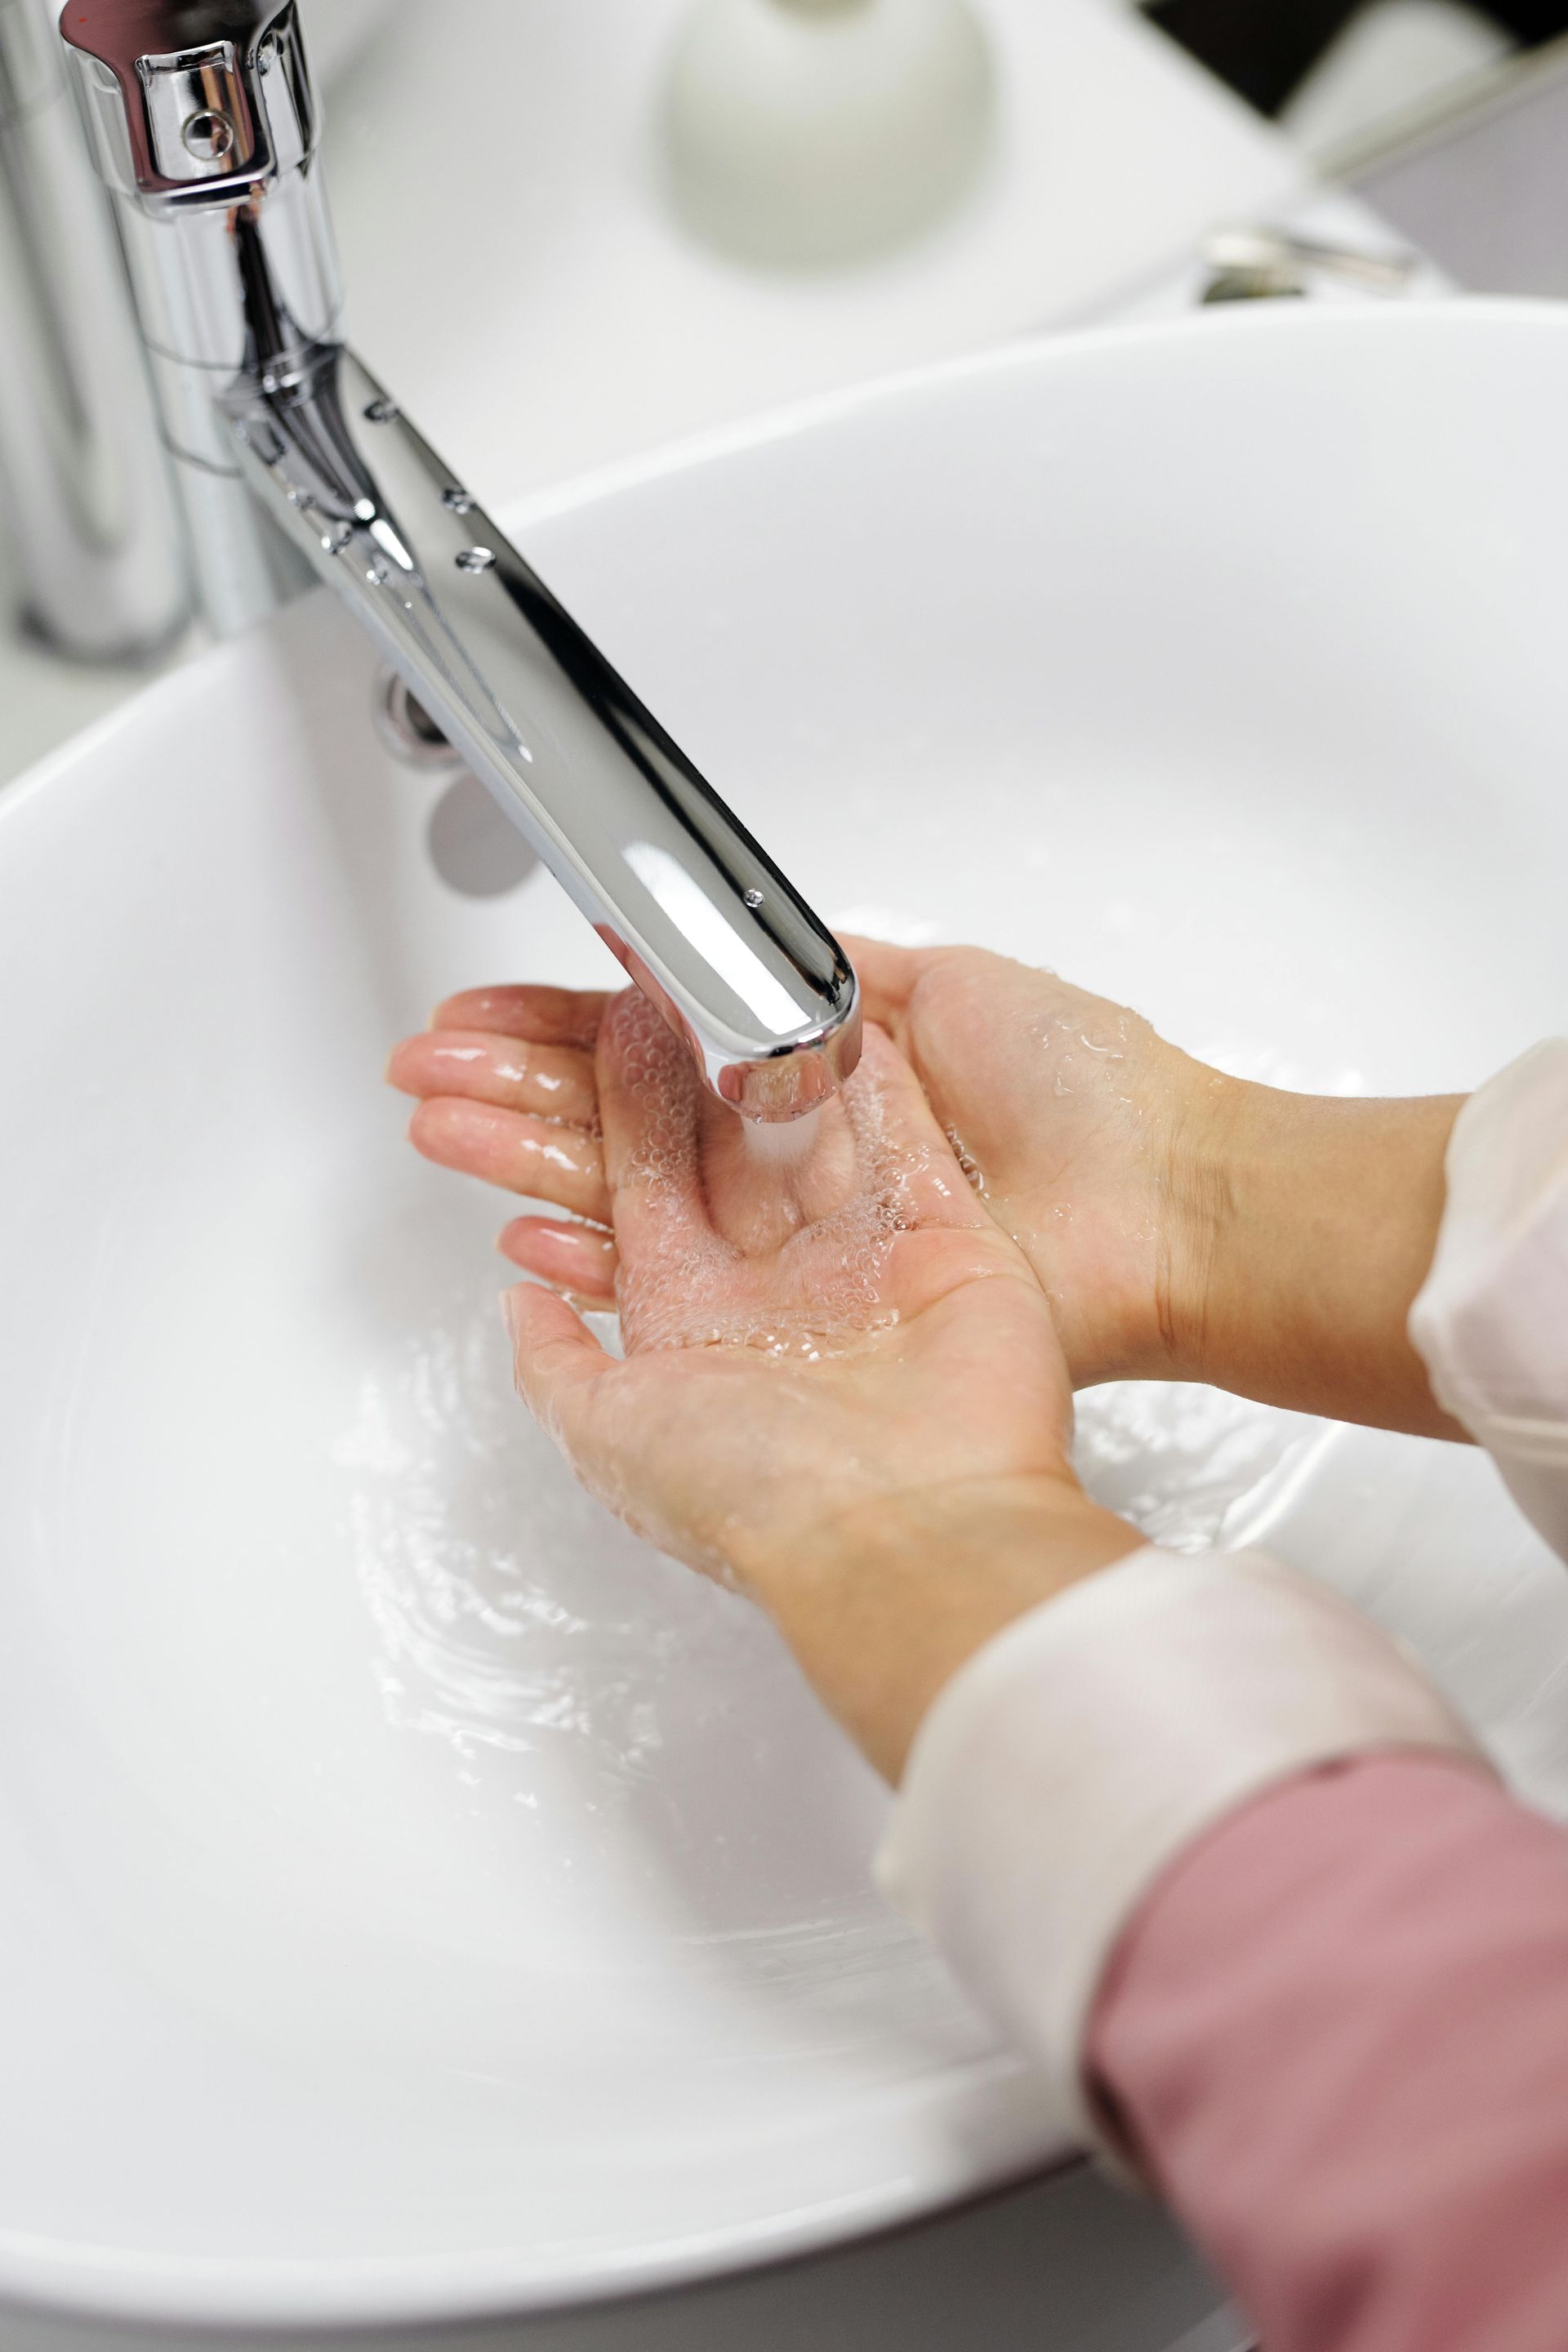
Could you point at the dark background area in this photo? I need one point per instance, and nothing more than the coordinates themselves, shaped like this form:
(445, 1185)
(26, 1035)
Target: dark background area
(1263, 48)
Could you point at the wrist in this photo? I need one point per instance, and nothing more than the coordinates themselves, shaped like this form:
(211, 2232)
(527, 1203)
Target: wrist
(1203, 1146)
(882, 1605)
(1302, 1228)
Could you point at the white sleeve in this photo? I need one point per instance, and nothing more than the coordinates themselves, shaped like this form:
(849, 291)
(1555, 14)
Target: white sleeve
(1075, 1756)
(1491, 1320)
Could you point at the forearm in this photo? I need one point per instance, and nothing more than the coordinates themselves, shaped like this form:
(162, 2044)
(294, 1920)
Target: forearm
(883, 1606)
(1304, 1228)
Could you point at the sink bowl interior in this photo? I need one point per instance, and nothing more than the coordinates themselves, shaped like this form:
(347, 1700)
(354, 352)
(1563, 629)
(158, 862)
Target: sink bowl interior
(421, 1897)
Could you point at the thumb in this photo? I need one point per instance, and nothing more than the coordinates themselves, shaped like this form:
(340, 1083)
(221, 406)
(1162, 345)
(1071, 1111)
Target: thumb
(556, 1360)
(886, 975)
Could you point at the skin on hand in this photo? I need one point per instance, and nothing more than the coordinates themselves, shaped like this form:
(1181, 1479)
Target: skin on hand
(843, 1386)
(1185, 1225)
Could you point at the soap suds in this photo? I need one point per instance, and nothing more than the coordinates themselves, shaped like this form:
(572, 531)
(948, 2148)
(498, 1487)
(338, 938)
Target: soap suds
(688, 1284)
(974, 1175)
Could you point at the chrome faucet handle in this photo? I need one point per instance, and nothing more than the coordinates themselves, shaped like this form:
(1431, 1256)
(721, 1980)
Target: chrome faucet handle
(202, 117)
(190, 96)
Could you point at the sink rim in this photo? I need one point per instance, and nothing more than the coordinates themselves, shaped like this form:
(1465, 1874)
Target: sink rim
(1052, 351)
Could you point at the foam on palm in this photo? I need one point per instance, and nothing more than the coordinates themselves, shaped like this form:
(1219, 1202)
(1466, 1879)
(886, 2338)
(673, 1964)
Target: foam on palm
(785, 1254)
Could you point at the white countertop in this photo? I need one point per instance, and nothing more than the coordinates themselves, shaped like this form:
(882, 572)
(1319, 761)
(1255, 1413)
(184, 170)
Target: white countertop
(569, 320)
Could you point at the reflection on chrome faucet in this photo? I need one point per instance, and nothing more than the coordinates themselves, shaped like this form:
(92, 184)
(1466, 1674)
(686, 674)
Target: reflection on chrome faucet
(289, 454)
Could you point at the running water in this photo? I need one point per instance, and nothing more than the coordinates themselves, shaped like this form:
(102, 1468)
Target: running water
(781, 1142)
(772, 1235)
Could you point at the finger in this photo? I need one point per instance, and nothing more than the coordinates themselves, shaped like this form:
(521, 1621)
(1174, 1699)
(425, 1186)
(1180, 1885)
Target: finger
(918, 1164)
(887, 974)
(562, 1164)
(556, 1360)
(553, 1081)
(763, 1184)
(889, 977)
(649, 1091)
(571, 1257)
(543, 1016)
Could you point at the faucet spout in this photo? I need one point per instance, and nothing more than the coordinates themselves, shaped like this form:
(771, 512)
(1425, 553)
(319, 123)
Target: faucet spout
(205, 126)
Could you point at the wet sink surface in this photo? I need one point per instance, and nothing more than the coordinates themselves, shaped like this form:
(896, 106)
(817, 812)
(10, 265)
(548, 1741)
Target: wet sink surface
(421, 1897)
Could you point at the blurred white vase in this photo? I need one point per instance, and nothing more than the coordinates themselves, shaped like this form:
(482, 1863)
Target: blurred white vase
(804, 134)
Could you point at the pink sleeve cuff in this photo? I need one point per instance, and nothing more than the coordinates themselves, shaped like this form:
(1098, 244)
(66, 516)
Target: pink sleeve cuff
(1336, 2036)
(1077, 1752)
(1491, 1320)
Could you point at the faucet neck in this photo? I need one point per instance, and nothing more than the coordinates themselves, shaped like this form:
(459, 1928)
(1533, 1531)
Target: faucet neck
(203, 117)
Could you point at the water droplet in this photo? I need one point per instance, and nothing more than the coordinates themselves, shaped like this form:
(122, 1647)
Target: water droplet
(459, 502)
(753, 899)
(476, 559)
(336, 540)
(381, 412)
(783, 1143)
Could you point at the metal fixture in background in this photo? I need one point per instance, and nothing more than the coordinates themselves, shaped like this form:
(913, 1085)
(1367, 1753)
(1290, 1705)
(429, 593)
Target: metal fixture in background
(291, 453)
(83, 484)
(1482, 185)
(1251, 265)
(409, 732)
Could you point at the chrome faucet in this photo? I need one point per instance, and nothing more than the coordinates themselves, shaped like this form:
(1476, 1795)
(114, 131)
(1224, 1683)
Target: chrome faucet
(288, 453)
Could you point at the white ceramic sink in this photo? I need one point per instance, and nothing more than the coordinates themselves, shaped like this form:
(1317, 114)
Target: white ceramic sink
(416, 1896)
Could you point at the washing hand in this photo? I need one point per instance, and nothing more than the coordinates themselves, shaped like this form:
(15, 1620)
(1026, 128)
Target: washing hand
(1083, 1131)
(1185, 1225)
(1070, 1115)
(843, 1386)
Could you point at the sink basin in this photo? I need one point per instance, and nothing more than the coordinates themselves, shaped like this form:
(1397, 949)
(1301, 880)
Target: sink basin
(420, 1898)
